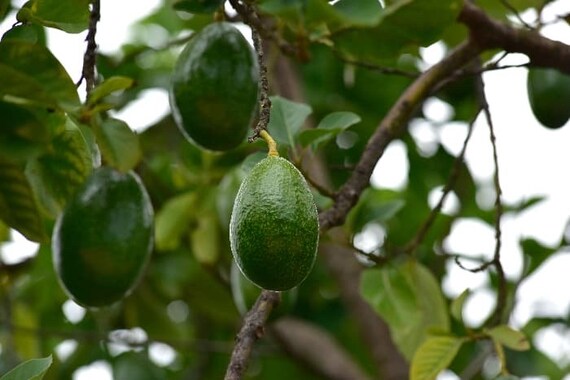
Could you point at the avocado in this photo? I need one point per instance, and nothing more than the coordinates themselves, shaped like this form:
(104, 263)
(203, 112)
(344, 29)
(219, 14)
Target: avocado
(549, 96)
(274, 227)
(102, 240)
(214, 88)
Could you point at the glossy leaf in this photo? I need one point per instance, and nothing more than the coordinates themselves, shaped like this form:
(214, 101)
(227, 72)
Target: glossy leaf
(328, 128)
(18, 208)
(409, 299)
(509, 337)
(109, 86)
(33, 369)
(71, 16)
(119, 145)
(31, 73)
(433, 356)
(57, 174)
(287, 118)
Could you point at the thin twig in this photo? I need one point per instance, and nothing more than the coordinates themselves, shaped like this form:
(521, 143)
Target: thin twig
(251, 330)
(502, 282)
(90, 56)
(374, 67)
(454, 174)
(249, 15)
(511, 8)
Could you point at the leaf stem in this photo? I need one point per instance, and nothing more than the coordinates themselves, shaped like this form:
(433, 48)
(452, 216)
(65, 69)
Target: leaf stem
(270, 143)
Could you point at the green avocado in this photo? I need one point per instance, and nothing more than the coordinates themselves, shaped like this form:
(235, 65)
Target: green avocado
(549, 96)
(215, 87)
(274, 227)
(102, 240)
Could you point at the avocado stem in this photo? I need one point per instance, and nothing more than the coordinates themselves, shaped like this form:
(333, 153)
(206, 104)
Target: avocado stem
(270, 143)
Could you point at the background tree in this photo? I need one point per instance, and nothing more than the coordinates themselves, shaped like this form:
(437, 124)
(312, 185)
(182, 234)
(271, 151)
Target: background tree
(345, 79)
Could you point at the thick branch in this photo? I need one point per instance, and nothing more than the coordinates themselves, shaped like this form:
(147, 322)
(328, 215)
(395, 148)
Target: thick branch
(491, 34)
(90, 56)
(391, 126)
(251, 330)
(375, 333)
(316, 349)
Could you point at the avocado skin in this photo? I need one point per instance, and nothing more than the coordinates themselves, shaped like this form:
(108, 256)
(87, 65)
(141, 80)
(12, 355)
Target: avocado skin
(103, 239)
(549, 96)
(274, 227)
(215, 88)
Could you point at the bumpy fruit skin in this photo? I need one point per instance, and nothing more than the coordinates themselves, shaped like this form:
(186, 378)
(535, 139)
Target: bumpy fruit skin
(215, 88)
(274, 227)
(102, 241)
(549, 96)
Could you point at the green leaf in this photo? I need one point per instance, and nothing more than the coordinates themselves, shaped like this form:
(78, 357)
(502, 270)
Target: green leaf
(374, 206)
(56, 175)
(198, 6)
(403, 25)
(287, 118)
(30, 33)
(30, 73)
(534, 254)
(25, 132)
(173, 220)
(18, 208)
(205, 239)
(509, 337)
(71, 16)
(457, 305)
(109, 86)
(360, 12)
(119, 145)
(33, 369)
(409, 299)
(433, 356)
(331, 125)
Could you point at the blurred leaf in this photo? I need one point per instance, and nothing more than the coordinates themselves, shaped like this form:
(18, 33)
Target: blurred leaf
(252, 160)
(71, 16)
(287, 118)
(457, 305)
(33, 369)
(27, 344)
(119, 145)
(409, 299)
(328, 128)
(205, 238)
(198, 6)
(30, 33)
(403, 24)
(109, 86)
(30, 72)
(359, 13)
(18, 208)
(226, 195)
(433, 356)
(373, 206)
(173, 220)
(534, 254)
(136, 365)
(509, 337)
(57, 174)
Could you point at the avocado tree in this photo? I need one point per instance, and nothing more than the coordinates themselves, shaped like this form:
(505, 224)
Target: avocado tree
(139, 227)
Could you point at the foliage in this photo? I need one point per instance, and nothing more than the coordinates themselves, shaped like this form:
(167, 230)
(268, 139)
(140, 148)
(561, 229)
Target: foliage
(336, 71)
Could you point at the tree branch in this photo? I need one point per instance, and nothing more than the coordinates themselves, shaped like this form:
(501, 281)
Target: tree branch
(316, 349)
(252, 329)
(90, 56)
(391, 126)
(491, 34)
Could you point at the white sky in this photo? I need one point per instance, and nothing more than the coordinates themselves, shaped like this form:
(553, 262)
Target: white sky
(532, 162)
